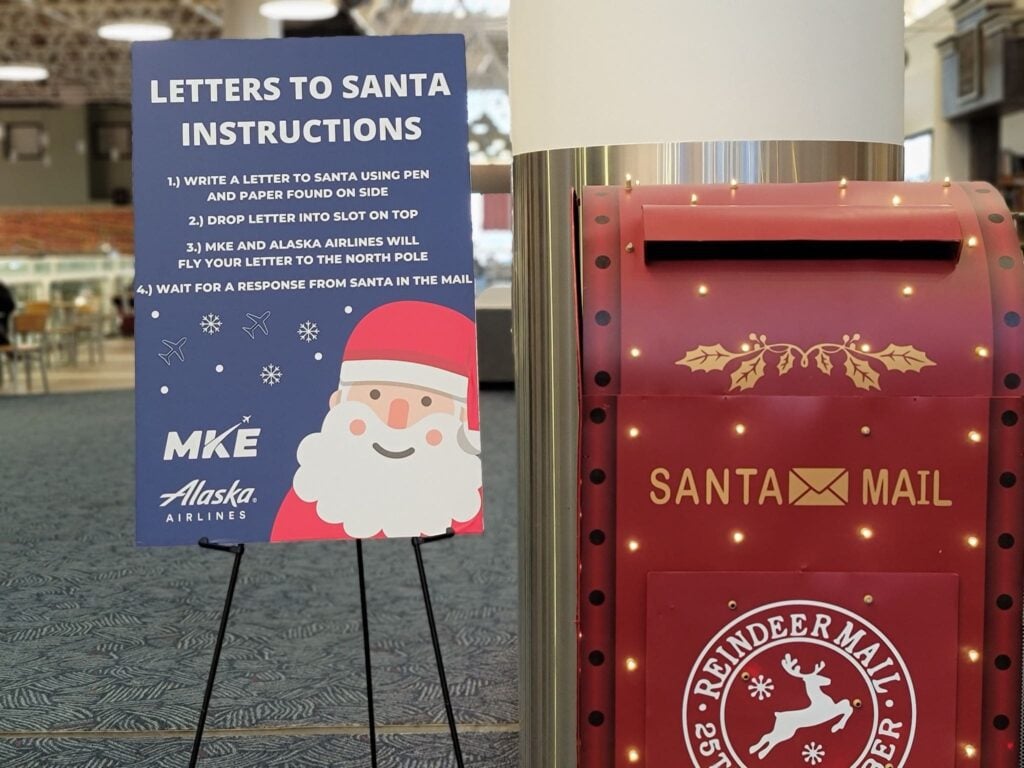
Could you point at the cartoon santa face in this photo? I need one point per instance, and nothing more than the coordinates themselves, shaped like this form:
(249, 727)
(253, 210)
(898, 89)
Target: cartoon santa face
(398, 453)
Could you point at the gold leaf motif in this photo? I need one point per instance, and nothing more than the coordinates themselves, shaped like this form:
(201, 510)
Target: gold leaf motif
(706, 359)
(903, 358)
(748, 374)
(824, 362)
(786, 362)
(858, 362)
(861, 373)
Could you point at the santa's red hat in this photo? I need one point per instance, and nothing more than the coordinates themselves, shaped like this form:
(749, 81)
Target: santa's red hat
(419, 344)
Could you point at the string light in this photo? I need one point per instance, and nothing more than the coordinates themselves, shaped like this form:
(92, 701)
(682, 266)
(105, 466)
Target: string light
(981, 351)
(738, 537)
(973, 655)
(733, 184)
(633, 755)
(946, 182)
(631, 664)
(629, 183)
(908, 290)
(745, 347)
(865, 430)
(865, 347)
(843, 183)
(633, 545)
(896, 200)
(693, 199)
(634, 352)
(970, 750)
(972, 241)
(740, 429)
(974, 436)
(634, 432)
(702, 290)
(973, 541)
(866, 533)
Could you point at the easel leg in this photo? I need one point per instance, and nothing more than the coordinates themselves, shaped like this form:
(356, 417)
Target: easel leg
(237, 550)
(437, 645)
(366, 654)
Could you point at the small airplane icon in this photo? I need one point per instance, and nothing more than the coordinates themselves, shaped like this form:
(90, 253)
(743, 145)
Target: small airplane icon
(245, 419)
(258, 322)
(173, 350)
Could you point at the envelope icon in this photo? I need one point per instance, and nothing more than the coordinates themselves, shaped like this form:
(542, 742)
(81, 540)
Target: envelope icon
(819, 486)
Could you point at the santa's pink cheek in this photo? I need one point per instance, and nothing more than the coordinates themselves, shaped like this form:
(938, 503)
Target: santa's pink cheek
(434, 437)
(357, 427)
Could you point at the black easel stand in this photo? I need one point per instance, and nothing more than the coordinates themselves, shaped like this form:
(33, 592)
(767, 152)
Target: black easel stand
(443, 678)
(237, 550)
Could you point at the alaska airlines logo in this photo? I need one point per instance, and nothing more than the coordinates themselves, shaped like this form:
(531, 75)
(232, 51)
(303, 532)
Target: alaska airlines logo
(805, 486)
(196, 494)
(856, 357)
(210, 444)
(799, 683)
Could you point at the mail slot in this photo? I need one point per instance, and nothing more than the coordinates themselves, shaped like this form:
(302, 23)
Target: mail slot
(800, 476)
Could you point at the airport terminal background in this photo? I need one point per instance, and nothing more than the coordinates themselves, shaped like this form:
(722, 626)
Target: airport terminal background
(104, 647)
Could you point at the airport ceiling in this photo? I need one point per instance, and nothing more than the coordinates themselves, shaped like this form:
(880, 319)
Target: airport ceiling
(84, 68)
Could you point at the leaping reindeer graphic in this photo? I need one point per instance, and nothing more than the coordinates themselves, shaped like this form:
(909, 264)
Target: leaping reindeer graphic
(822, 709)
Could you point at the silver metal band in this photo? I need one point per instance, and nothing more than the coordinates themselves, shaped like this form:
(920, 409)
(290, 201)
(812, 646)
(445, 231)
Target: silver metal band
(544, 308)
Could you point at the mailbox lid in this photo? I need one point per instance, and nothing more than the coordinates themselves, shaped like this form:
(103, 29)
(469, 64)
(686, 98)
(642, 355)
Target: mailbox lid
(899, 300)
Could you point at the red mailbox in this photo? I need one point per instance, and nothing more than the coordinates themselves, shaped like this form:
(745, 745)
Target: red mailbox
(801, 477)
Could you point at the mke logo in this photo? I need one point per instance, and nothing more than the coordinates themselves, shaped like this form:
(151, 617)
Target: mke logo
(799, 683)
(805, 486)
(210, 444)
(196, 494)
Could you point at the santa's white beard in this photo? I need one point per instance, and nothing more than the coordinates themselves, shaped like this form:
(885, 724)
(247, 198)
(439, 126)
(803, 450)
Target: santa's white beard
(352, 483)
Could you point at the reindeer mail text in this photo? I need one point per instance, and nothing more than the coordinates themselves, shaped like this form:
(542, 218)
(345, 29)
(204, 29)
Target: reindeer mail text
(799, 683)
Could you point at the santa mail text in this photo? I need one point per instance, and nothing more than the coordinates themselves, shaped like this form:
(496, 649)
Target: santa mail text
(723, 660)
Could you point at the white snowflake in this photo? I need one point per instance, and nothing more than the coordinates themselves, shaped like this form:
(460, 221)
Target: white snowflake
(210, 324)
(813, 753)
(761, 688)
(308, 331)
(271, 374)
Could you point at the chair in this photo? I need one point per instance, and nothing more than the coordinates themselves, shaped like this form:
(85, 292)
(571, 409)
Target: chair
(55, 332)
(24, 350)
(88, 325)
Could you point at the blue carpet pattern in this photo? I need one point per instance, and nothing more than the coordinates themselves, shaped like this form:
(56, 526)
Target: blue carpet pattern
(111, 644)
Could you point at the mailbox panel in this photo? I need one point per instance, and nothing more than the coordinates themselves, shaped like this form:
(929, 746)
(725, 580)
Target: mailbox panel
(800, 393)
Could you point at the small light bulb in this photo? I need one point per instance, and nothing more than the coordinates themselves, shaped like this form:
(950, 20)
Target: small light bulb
(969, 750)
(974, 436)
(733, 183)
(634, 432)
(972, 241)
(865, 347)
(896, 200)
(634, 352)
(865, 430)
(702, 290)
(946, 181)
(629, 182)
(745, 347)
(866, 533)
(973, 542)
(908, 290)
(738, 537)
(633, 545)
(693, 199)
(981, 351)
(740, 429)
(633, 755)
(631, 664)
(973, 655)
(843, 183)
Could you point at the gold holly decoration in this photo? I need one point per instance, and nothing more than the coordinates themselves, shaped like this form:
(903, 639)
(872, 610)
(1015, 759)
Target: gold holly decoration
(754, 358)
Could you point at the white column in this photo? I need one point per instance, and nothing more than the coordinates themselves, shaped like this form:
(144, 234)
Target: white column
(597, 72)
(242, 20)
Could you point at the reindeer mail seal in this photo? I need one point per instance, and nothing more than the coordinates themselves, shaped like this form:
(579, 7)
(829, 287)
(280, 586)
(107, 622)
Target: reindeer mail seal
(799, 683)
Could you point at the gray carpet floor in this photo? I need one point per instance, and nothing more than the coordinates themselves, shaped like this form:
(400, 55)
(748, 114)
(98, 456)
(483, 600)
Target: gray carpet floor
(104, 647)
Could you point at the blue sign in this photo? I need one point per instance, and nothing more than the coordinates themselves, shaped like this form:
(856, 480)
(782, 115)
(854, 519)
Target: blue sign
(304, 300)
